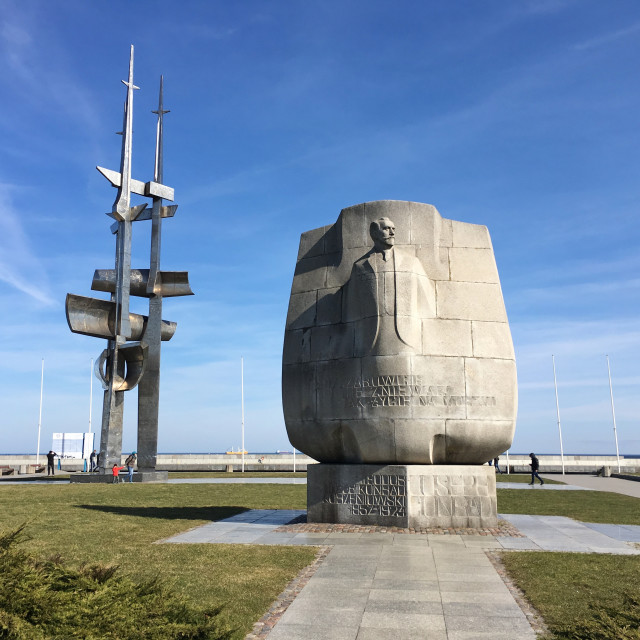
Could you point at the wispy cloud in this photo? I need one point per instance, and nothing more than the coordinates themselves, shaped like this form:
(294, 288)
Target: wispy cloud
(20, 266)
(607, 38)
(35, 70)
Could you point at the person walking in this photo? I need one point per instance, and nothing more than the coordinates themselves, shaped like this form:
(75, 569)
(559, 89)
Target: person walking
(130, 462)
(496, 460)
(92, 461)
(535, 465)
(50, 460)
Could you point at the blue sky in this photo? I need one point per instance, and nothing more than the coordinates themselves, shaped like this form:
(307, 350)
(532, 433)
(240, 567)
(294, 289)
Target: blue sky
(519, 115)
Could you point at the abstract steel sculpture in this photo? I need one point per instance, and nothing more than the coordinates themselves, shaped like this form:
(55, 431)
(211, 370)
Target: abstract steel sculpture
(132, 356)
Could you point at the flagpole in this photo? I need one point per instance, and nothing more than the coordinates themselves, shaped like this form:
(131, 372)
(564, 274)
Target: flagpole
(40, 415)
(90, 395)
(613, 415)
(555, 383)
(242, 401)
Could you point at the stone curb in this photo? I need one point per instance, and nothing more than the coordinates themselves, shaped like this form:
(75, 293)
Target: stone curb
(263, 627)
(533, 617)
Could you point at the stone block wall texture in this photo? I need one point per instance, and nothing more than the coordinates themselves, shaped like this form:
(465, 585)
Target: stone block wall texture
(412, 496)
(406, 359)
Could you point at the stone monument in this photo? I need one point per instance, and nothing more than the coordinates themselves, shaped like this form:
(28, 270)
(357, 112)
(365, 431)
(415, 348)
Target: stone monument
(132, 356)
(399, 373)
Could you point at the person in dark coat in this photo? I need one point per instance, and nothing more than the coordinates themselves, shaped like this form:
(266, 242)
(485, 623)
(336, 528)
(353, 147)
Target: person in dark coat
(535, 465)
(50, 460)
(92, 461)
(496, 461)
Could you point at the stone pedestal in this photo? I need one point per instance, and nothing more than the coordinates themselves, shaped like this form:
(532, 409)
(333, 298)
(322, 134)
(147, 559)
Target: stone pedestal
(138, 476)
(402, 495)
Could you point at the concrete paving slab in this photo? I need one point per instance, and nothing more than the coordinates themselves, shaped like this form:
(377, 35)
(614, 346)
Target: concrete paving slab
(513, 625)
(502, 610)
(328, 602)
(325, 588)
(490, 635)
(518, 543)
(390, 595)
(403, 621)
(311, 615)
(476, 576)
(483, 597)
(421, 607)
(473, 586)
(399, 583)
(596, 483)
(392, 634)
(538, 487)
(311, 632)
(624, 532)
(557, 533)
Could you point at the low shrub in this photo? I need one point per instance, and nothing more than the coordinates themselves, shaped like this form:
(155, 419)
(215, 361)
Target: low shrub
(44, 599)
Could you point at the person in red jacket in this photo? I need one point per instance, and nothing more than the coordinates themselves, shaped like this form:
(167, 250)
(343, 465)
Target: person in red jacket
(116, 471)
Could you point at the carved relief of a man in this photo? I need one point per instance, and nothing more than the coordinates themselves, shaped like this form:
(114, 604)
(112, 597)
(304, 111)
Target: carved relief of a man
(387, 296)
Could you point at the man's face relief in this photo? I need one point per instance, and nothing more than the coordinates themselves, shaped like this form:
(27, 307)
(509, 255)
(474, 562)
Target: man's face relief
(384, 234)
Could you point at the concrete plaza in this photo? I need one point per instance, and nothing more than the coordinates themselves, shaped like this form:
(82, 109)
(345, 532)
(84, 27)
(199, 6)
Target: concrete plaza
(406, 586)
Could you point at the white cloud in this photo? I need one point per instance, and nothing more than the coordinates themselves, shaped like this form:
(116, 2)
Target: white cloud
(607, 38)
(20, 267)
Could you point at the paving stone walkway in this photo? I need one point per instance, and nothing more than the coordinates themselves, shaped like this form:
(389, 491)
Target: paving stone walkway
(402, 586)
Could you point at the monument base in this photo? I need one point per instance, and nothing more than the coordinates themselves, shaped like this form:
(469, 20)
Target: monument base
(412, 496)
(138, 476)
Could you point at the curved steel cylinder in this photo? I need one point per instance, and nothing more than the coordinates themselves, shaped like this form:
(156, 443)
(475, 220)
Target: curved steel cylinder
(169, 284)
(94, 317)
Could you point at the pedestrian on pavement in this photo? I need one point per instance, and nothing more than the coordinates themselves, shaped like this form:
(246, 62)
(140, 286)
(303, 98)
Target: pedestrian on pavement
(535, 465)
(92, 461)
(50, 468)
(130, 462)
(496, 460)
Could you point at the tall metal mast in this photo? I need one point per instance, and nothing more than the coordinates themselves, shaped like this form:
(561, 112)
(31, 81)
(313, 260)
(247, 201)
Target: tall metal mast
(149, 387)
(126, 363)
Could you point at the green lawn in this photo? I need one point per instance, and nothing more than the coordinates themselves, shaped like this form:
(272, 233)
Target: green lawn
(119, 524)
(237, 475)
(581, 596)
(586, 506)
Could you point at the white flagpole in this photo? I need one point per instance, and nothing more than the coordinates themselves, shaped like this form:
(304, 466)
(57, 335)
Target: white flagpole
(555, 382)
(242, 400)
(40, 415)
(90, 395)
(613, 415)
(507, 461)
(294, 459)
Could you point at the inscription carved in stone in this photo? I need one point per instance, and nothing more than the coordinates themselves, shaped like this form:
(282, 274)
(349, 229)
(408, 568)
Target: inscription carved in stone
(379, 495)
(406, 391)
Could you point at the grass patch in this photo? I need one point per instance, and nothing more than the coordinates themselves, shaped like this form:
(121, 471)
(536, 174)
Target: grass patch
(581, 596)
(118, 524)
(586, 506)
(237, 475)
(522, 477)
